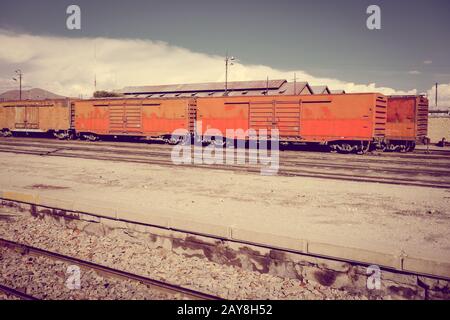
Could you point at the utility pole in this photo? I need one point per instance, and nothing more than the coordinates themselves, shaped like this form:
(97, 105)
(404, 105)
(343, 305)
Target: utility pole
(95, 67)
(19, 74)
(436, 97)
(228, 61)
(295, 83)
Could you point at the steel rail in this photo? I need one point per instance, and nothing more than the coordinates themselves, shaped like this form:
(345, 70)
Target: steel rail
(160, 285)
(353, 163)
(376, 164)
(291, 157)
(140, 144)
(286, 171)
(16, 293)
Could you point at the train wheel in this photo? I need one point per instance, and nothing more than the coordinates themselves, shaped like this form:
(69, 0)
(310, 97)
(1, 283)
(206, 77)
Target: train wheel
(363, 149)
(333, 148)
(389, 147)
(206, 143)
(185, 140)
(382, 147)
(343, 147)
(91, 137)
(410, 146)
(62, 135)
(178, 140)
(7, 133)
(221, 143)
(172, 141)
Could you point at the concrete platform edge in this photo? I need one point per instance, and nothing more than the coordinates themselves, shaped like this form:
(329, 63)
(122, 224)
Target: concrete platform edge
(402, 262)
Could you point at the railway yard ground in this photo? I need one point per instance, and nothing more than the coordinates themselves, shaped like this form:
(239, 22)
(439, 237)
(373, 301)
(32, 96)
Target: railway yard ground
(307, 233)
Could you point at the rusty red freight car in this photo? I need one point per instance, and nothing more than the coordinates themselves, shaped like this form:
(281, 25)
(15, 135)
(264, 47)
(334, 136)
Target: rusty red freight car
(345, 122)
(407, 122)
(148, 118)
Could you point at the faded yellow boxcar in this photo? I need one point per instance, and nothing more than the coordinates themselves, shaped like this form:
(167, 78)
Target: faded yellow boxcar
(36, 116)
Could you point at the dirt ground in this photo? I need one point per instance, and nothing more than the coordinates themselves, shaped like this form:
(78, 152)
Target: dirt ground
(379, 217)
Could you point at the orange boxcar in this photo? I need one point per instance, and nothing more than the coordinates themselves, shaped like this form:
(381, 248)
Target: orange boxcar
(150, 118)
(407, 122)
(36, 116)
(345, 122)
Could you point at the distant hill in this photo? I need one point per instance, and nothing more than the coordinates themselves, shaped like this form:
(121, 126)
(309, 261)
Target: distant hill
(31, 94)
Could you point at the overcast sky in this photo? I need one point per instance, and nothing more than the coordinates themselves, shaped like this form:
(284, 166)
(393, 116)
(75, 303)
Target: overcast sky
(321, 39)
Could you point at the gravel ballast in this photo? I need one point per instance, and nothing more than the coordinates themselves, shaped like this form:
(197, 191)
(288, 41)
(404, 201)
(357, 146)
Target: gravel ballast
(46, 279)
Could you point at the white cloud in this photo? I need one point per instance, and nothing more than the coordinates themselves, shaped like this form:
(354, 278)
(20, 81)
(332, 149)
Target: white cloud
(7, 84)
(67, 65)
(443, 96)
(414, 72)
(428, 62)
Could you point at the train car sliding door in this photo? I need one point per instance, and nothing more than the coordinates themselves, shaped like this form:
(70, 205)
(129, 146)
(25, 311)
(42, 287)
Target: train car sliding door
(32, 116)
(20, 121)
(125, 118)
(281, 115)
(133, 118)
(287, 118)
(27, 117)
(261, 115)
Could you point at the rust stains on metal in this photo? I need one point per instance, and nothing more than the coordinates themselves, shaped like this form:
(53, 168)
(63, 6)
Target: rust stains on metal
(407, 118)
(310, 118)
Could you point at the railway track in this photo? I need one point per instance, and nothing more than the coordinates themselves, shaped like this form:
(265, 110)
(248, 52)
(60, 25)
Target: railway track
(108, 271)
(417, 157)
(16, 293)
(157, 145)
(28, 250)
(164, 153)
(417, 170)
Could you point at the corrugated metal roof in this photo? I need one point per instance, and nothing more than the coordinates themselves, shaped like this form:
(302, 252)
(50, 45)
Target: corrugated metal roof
(204, 87)
(320, 89)
(217, 89)
(288, 88)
